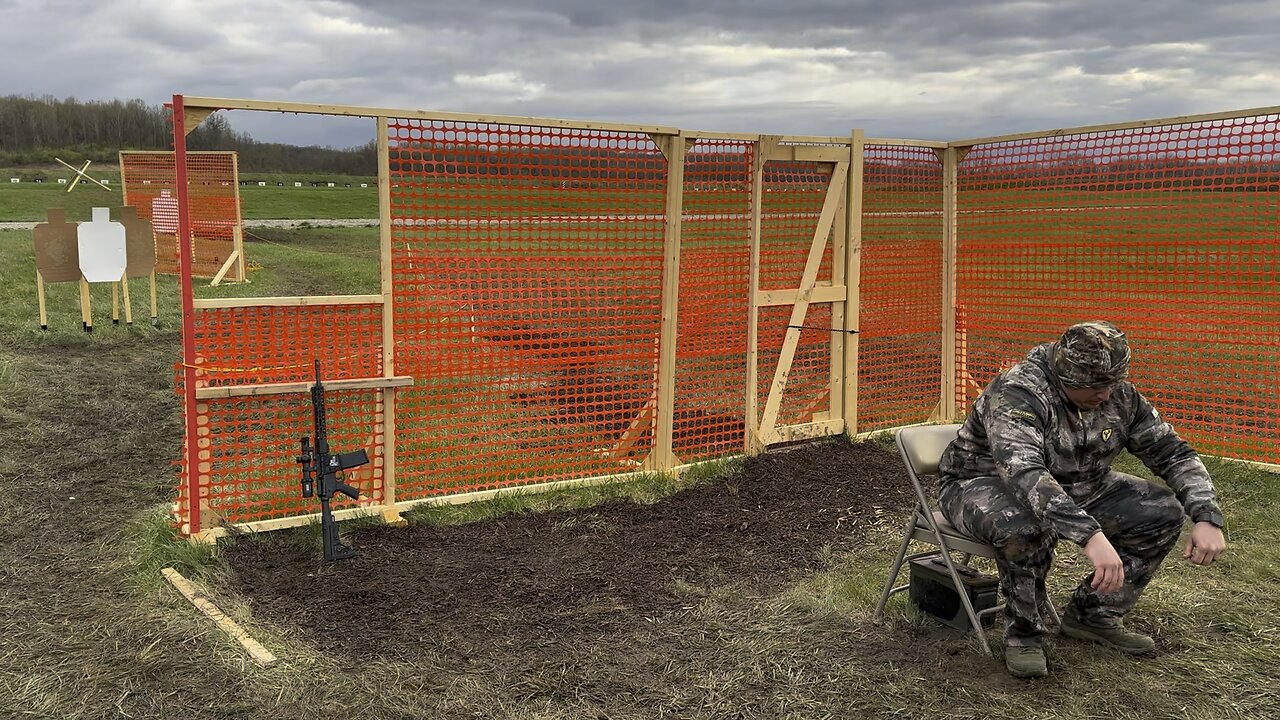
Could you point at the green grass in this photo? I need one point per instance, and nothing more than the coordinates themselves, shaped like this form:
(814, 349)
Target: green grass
(29, 201)
(89, 425)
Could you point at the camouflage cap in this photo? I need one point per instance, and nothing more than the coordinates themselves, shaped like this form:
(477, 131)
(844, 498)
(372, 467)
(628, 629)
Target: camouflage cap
(1091, 354)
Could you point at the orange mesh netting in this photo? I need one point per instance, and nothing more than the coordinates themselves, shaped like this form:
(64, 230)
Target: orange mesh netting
(214, 198)
(527, 267)
(715, 262)
(900, 344)
(247, 469)
(1168, 231)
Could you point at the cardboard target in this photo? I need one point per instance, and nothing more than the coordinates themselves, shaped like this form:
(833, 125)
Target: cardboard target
(140, 243)
(102, 248)
(57, 251)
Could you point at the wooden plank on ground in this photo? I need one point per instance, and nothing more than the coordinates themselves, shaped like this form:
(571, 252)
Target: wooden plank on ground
(257, 652)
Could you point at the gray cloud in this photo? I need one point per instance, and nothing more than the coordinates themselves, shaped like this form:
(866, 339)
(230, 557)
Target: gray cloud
(933, 69)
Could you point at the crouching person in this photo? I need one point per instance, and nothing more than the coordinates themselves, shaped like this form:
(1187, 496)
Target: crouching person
(1032, 464)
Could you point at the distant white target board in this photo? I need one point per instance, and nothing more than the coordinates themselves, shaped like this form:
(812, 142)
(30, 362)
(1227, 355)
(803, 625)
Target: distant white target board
(103, 257)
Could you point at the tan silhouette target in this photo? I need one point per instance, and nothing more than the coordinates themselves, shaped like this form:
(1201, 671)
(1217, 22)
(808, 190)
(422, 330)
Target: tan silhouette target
(140, 252)
(57, 253)
(139, 241)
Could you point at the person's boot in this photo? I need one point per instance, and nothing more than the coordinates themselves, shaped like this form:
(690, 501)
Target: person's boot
(1114, 636)
(1025, 662)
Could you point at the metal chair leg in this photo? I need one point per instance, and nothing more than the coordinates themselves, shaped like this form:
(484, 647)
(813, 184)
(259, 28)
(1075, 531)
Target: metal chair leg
(897, 566)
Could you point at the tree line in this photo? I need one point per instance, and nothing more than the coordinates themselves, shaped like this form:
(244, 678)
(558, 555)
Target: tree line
(35, 130)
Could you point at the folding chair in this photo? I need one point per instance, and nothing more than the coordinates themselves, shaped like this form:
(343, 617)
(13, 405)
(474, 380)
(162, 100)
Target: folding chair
(921, 448)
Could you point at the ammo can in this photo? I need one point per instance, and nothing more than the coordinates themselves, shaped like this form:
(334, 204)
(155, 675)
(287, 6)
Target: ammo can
(933, 592)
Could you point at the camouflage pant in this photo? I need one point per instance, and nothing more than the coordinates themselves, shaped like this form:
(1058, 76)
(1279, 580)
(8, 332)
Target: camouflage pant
(1142, 520)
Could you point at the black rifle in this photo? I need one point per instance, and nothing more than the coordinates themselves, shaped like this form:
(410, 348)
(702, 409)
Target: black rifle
(320, 475)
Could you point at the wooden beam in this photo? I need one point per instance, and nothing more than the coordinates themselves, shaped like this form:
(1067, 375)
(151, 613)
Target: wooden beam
(231, 391)
(950, 217)
(675, 148)
(303, 301)
(226, 266)
(1156, 122)
(822, 293)
(847, 407)
(903, 142)
(763, 149)
(257, 652)
(391, 515)
(212, 103)
(806, 431)
(193, 117)
(835, 198)
(44, 314)
(237, 232)
(811, 153)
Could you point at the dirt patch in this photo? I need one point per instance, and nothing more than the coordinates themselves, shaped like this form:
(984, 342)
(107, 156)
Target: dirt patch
(534, 579)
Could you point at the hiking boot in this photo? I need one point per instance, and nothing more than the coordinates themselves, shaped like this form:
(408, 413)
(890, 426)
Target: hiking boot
(1116, 637)
(1025, 662)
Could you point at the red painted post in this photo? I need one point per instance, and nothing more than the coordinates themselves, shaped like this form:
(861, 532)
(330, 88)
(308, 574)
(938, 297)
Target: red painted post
(188, 315)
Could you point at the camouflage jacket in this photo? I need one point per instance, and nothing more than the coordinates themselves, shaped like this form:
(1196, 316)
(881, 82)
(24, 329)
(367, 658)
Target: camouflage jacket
(1023, 429)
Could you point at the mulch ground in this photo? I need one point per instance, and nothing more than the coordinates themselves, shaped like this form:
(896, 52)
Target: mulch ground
(535, 579)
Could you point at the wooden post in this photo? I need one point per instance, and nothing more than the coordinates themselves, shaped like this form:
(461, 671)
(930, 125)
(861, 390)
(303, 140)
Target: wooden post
(155, 315)
(128, 306)
(44, 315)
(764, 147)
(238, 230)
(86, 308)
(115, 303)
(390, 513)
(675, 148)
(195, 466)
(947, 403)
(852, 307)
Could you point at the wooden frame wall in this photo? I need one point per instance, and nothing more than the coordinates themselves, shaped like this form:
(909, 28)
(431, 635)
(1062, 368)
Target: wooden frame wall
(237, 257)
(840, 217)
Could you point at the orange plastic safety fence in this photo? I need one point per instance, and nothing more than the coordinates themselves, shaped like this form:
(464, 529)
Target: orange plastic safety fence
(247, 468)
(1168, 231)
(715, 263)
(900, 343)
(527, 269)
(266, 344)
(256, 345)
(214, 197)
(794, 193)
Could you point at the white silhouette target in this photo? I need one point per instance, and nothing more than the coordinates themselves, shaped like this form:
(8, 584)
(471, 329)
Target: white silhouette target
(102, 248)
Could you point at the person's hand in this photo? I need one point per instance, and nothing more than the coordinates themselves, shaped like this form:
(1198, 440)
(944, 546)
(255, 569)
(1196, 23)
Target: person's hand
(1206, 543)
(1108, 571)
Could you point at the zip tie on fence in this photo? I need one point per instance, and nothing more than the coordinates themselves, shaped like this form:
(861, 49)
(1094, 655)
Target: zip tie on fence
(814, 327)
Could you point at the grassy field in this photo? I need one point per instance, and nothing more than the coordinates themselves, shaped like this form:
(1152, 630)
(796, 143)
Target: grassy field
(89, 427)
(29, 200)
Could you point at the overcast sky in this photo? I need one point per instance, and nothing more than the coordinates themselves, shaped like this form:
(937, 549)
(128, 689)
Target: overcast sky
(930, 69)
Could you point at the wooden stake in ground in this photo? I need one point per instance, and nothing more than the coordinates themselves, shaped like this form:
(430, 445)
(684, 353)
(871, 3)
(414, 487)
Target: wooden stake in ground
(257, 652)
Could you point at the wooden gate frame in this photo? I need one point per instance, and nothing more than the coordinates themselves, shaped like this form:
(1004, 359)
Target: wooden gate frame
(840, 221)
(236, 260)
